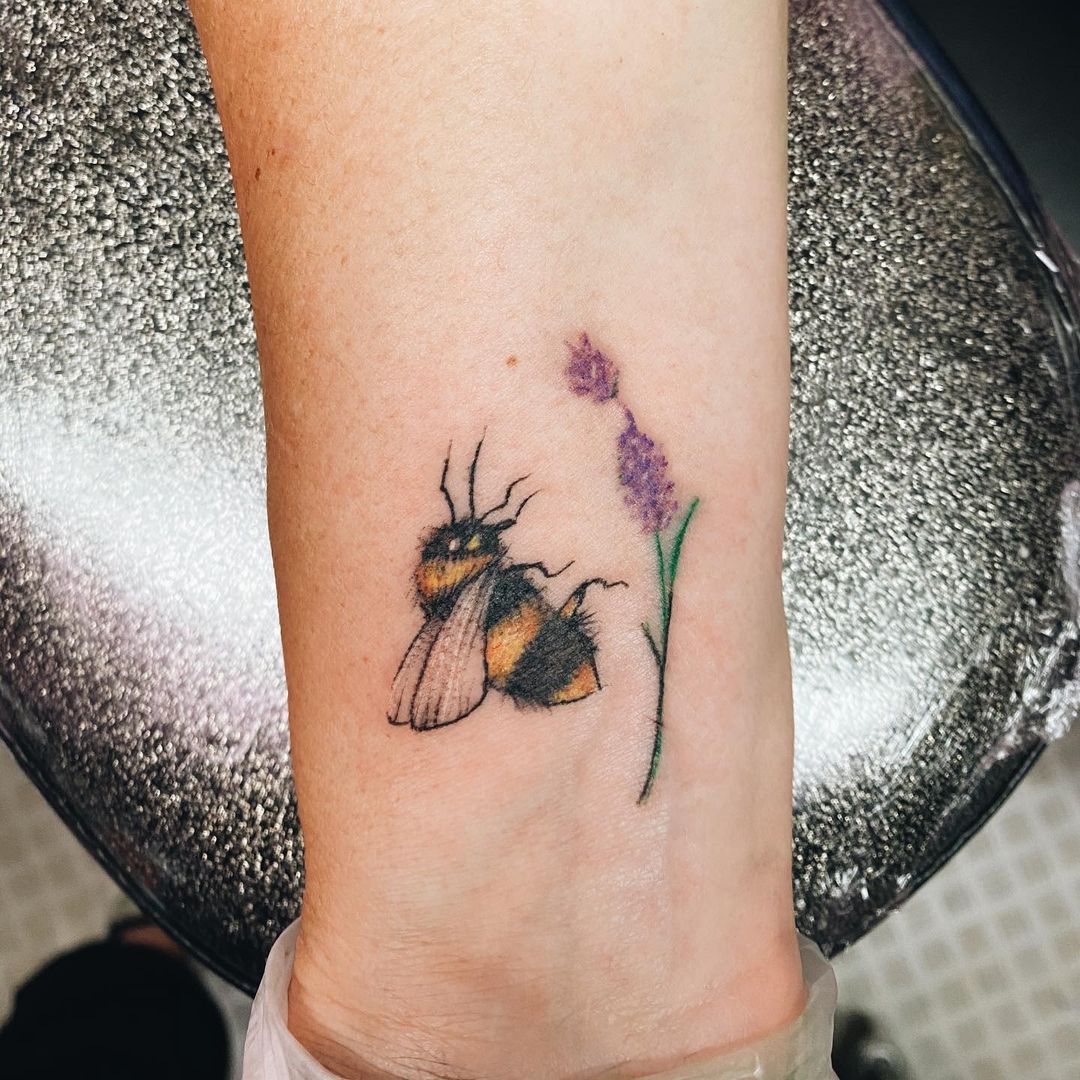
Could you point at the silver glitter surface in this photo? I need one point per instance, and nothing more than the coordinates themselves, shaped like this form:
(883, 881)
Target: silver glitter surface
(140, 670)
(139, 651)
(934, 437)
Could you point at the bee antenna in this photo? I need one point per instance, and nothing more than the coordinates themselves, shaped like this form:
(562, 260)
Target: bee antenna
(507, 522)
(506, 498)
(472, 476)
(442, 484)
(524, 503)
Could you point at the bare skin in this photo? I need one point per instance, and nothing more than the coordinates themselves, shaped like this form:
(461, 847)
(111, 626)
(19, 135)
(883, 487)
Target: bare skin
(151, 937)
(435, 198)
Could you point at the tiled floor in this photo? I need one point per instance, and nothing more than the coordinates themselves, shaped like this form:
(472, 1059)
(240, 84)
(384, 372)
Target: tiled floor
(977, 977)
(53, 896)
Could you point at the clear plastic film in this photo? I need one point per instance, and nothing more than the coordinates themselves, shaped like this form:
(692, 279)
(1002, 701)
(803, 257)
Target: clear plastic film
(800, 1051)
(931, 557)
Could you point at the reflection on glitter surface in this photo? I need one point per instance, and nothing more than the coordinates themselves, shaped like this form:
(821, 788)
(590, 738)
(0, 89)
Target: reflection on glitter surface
(144, 512)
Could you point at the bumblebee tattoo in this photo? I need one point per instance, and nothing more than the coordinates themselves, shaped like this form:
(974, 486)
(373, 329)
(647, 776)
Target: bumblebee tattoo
(488, 623)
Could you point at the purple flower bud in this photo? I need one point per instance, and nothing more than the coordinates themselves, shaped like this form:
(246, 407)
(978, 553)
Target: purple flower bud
(590, 373)
(643, 471)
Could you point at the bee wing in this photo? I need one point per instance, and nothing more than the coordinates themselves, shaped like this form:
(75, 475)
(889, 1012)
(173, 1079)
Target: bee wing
(454, 677)
(408, 674)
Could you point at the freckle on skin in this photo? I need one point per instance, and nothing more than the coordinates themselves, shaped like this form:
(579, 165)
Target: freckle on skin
(258, 173)
(511, 361)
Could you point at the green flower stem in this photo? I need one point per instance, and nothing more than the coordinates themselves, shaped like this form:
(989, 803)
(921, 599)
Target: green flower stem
(665, 597)
(666, 568)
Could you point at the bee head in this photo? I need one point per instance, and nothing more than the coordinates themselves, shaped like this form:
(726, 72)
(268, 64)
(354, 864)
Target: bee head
(455, 553)
(469, 538)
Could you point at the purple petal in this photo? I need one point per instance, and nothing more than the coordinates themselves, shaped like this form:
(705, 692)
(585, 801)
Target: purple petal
(590, 373)
(643, 471)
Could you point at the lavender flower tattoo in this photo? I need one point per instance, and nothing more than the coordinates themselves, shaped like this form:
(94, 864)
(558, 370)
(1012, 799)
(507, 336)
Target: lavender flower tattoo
(650, 496)
(590, 373)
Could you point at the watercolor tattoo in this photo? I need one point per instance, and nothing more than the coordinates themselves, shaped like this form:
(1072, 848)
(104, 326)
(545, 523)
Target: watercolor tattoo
(650, 496)
(488, 624)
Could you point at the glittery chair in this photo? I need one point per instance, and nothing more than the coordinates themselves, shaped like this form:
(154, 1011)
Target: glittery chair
(932, 546)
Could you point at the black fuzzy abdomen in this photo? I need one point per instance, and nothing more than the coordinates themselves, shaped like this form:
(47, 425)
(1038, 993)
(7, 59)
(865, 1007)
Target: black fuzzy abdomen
(561, 652)
(534, 653)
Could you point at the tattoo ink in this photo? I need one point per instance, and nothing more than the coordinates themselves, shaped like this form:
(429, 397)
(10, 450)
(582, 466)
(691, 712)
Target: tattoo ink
(650, 497)
(488, 624)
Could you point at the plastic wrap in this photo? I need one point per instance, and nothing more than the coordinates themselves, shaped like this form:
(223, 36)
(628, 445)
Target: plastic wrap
(800, 1051)
(931, 594)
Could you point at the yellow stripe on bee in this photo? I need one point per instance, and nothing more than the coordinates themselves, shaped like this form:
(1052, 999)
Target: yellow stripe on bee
(434, 576)
(508, 639)
(581, 685)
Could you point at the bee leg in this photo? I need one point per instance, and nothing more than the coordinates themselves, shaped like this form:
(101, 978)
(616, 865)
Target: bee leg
(574, 600)
(539, 566)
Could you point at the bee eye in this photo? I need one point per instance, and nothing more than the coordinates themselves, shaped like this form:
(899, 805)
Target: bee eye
(473, 544)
